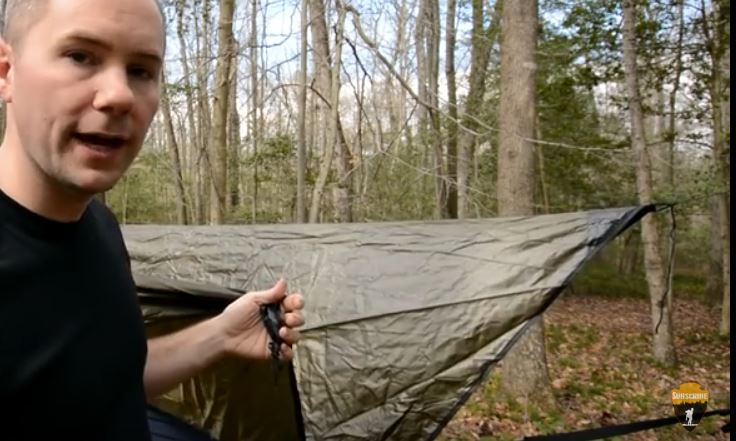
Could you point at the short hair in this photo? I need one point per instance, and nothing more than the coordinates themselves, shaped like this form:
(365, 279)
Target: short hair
(19, 13)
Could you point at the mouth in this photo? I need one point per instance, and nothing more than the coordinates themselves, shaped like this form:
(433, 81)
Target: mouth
(100, 141)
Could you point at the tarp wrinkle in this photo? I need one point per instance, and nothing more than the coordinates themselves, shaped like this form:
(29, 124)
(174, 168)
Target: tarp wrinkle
(404, 320)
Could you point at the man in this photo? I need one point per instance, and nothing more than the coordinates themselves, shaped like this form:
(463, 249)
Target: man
(689, 416)
(80, 79)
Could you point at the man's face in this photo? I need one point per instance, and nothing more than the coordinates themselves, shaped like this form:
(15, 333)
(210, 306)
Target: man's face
(83, 88)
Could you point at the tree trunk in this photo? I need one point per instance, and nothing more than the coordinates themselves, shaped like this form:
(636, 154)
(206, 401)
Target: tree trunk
(421, 54)
(262, 106)
(714, 281)
(255, 132)
(725, 167)
(659, 147)
(218, 143)
(720, 111)
(397, 96)
(660, 295)
(422, 111)
(182, 216)
(301, 165)
(327, 78)
(427, 41)
(517, 113)
(233, 130)
(191, 149)
(452, 110)
(524, 371)
(433, 66)
(343, 187)
(482, 41)
(672, 126)
(322, 63)
(204, 159)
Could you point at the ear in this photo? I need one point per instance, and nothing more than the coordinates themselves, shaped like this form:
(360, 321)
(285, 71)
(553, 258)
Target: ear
(6, 71)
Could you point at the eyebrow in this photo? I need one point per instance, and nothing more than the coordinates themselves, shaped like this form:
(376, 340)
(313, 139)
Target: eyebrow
(81, 37)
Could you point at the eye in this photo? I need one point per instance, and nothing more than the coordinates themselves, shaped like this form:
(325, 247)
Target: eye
(80, 57)
(141, 73)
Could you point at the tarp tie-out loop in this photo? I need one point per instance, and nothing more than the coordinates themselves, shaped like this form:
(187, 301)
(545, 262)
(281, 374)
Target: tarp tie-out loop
(621, 429)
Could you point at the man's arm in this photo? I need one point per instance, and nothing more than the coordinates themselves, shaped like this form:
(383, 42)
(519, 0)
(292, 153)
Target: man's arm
(237, 331)
(176, 357)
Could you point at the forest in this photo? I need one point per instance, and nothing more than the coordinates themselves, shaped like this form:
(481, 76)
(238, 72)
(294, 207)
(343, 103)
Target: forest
(328, 111)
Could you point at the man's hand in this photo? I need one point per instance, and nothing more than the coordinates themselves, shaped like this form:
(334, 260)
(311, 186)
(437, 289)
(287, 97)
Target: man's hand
(243, 330)
(237, 331)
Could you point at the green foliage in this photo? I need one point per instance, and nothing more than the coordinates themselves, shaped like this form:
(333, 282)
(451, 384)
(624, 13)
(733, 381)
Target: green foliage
(398, 189)
(273, 167)
(582, 175)
(601, 278)
(145, 194)
(594, 28)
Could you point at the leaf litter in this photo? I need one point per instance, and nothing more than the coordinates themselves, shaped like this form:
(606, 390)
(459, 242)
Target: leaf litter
(602, 373)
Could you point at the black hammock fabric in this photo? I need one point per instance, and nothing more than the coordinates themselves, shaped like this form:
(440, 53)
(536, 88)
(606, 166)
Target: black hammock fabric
(167, 427)
(404, 320)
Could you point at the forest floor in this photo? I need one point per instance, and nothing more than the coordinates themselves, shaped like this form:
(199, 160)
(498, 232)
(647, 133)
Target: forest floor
(602, 373)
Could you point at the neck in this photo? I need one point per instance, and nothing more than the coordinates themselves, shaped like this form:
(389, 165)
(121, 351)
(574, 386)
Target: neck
(23, 181)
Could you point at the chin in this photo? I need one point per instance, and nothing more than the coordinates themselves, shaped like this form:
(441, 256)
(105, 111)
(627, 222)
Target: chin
(94, 182)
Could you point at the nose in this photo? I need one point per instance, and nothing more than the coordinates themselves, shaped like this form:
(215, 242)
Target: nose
(114, 94)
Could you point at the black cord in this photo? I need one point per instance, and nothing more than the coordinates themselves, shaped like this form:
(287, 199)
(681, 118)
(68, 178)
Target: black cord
(618, 430)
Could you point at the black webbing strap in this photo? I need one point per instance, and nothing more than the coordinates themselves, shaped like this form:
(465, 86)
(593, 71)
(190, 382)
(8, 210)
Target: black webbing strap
(621, 429)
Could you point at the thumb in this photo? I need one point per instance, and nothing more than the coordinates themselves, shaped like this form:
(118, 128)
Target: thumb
(275, 294)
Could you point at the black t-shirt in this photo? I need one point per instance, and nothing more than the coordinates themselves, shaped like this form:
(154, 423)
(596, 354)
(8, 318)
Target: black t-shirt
(72, 340)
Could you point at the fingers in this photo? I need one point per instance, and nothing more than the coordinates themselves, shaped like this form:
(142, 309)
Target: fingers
(293, 305)
(275, 294)
(293, 319)
(293, 302)
(287, 353)
(289, 335)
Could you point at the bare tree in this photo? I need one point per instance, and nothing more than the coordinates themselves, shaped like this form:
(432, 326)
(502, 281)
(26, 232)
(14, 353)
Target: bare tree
(201, 156)
(717, 37)
(427, 43)
(322, 63)
(301, 166)
(725, 165)
(672, 124)
(397, 96)
(660, 295)
(218, 143)
(255, 131)
(524, 371)
(343, 188)
(328, 85)
(233, 137)
(192, 148)
(182, 215)
(482, 41)
(452, 108)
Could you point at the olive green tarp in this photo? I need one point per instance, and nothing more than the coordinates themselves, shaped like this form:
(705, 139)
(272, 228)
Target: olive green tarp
(403, 320)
